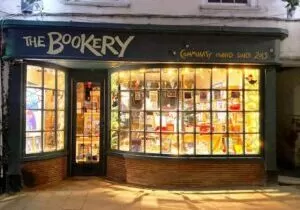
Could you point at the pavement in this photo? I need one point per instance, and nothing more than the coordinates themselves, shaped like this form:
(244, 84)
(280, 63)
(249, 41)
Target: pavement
(94, 193)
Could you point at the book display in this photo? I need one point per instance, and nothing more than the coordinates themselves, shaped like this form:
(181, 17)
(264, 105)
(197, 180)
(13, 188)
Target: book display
(45, 110)
(186, 111)
(87, 122)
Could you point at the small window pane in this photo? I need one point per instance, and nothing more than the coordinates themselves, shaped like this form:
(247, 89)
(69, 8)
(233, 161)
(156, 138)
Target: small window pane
(187, 78)
(169, 122)
(186, 142)
(49, 143)
(114, 121)
(124, 79)
(49, 120)
(125, 95)
(114, 82)
(34, 76)
(203, 125)
(219, 122)
(219, 100)
(60, 100)
(251, 100)
(235, 79)
(186, 122)
(236, 144)
(49, 78)
(49, 99)
(152, 143)
(33, 98)
(252, 122)
(114, 137)
(137, 142)
(137, 80)
(252, 79)
(186, 102)
(60, 120)
(202, 100)
(203, 78)
(153, 79)
(169, 78)
(152, 121)
(169, 144)
(33, 120)
(137, 100)
(219, 144)
(60, 140)
(203, 144)
(252, 144)
(124, 121)
(124, 140)
(33, 142)
(169, 100)
(60, 80)
(235, 100)
(137, 121)
(235, 122)
(152, 100)
(219, 78)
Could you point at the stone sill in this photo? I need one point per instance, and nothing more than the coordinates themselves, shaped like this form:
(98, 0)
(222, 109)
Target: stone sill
(104, 3)
(218, 7)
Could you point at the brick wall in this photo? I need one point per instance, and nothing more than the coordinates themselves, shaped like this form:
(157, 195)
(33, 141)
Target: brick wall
(185, 173)
(44, 172)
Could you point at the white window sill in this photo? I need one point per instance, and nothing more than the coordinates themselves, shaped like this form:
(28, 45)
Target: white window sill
(224, 7)
(104, 3)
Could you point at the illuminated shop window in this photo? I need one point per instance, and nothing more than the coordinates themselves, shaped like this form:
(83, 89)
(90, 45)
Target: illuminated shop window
(186, 111)
(45, 110)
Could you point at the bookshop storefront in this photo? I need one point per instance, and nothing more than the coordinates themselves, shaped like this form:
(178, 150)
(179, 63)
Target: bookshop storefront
(148, 105)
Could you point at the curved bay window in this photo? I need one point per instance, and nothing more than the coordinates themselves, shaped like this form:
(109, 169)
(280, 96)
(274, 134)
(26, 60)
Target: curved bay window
(186, 111)
(44, 110)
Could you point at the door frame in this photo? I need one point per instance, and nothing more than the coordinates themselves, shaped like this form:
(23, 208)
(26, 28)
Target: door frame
(98, 76)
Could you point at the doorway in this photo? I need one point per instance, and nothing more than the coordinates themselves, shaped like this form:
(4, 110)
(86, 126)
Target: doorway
(87, 123)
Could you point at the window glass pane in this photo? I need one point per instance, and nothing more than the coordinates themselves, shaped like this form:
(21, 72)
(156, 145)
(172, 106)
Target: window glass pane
(203, 122)
(252, 144)
(219, 78)
(49, 143)
(186, 122)
(219, 122)
(186, 144)
(152, 121)
(124, 140)
(235, 79)
(203, 144)
(60, 80)
(33, 120)
(235, 100)
(34, 76)
(49, 120)
(114, 138)
(219, 144)
(203, 78)
(236, 144)
(49, 78)
(169, 78)
(169, 144)
(251, 79)
(33, 142)
(124, 121)
(252, 122)
(124, 78)
(251, 100)
(114, 88)
(169, 100)
(169, 122)
(137, 142)
(137, 121)
(137, 80)
(235, 122)
(49, 99)
(152, 100)
(186, 101)
(114, 121)
(152, 79)
(137, 100)
(60, 140)
(202, 100)
(219, 100)
(124, 100)
(33, 98)
(60, 120)
(152, 143)
(60, 100)
(187, 78)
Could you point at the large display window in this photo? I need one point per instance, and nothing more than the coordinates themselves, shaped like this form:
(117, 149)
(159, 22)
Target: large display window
(44, 110)
(186, 111)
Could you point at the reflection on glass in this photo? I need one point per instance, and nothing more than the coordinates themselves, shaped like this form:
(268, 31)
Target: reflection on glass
(252, 144)
(49, 142)
(187, 78)
(34, 76)
(252, 122)
(219, 144)
(49, 99)
(251, 79)
(203, 78)
(33, 120)
(169, 78)
(169, 144)
(49, 120)
(203, 144)
(219, 100)
(152, 143)
(152, 121)
(33, 142)
(60, 80)
(235, 120)
(251, 100)
(202, 100)
(236, 144)
(186, 142)
(33, 98)
(235, 79)
(137, 142)
(219, 122)
(219, 78)
(49, 78)
(137, 121)
(137, 100)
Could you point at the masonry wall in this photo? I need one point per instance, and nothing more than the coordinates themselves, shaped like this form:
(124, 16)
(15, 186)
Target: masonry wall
(181, 173)
(44, 172)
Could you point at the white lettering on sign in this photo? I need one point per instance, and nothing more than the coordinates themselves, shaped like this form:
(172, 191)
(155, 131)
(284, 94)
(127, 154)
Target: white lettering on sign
(99, 46)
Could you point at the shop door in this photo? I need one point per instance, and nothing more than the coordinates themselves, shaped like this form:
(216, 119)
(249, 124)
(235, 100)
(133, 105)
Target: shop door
(88, 126)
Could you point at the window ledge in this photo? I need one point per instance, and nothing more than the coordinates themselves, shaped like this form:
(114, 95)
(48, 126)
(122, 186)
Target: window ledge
(101, 3)
(219, 7)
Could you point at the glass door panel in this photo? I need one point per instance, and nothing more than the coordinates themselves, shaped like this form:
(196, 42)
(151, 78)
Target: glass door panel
(87, 122)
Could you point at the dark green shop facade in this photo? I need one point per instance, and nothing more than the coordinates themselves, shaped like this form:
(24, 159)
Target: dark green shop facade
(164, 106)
